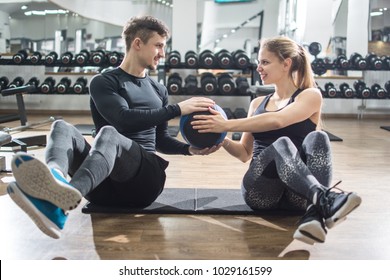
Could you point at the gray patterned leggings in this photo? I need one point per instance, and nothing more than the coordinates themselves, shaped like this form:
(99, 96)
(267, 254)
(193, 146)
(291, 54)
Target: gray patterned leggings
(298, 174)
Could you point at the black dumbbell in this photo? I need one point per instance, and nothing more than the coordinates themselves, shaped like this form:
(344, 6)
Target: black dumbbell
(208, 83)
(319, 66)
(378, 91)
(51, 58)
(331, 91)
(174, 84)
(63, 86)
(114, 58)
(226, 83)
(20, 57)
(66, 58)
(224, 59)
(342, 62)
(34, 81)
(241, 60)
(242, 84)
(174, 59)
(374, 62)
(80, 85)
(98, 57)
(229, 113)
(191, 59)
(315, 48)
(358, 62)
(236, 136)
(82, 57)
(35, 57)
(362, 91)
(191, 84)
(346, 91)
(17, 82)
(3, 82)
(385, 62)
(240, 113)
(387, 88)
(207, 59)
(48, 85)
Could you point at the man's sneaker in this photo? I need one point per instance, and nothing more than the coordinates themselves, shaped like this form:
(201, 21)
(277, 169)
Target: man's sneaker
(36, 179)
(49, 218)
(311, 228)
(335, 206)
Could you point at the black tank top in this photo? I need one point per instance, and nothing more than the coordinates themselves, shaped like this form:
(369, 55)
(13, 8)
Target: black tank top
(296, 132)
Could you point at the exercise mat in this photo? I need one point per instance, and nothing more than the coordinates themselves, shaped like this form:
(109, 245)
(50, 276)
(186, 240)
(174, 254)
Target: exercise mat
(386, 128)
(333, 137)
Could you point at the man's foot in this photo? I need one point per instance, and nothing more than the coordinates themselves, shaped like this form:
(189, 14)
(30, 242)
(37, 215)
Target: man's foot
(49, 218)
(311, 228)
(37, 180)
(335, 206)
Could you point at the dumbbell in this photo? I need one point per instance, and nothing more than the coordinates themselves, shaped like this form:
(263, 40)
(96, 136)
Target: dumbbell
(385, 62)
(226, 83)
(174, 58)
(20, 57)
(34, 81)
(35, 57)
(3, 82)
(98, 57)
(346, 91)
(241, 60)
(330, 90)
(174, 84)
(374, 62)
(362, 91)
(63, 86)
(229, 113)
(315, 48)
(114, 58)
(208, 83)
(48, 85)
(66, 58)
(191, 84)
(342, 62)
(51, 58)
(191, 59)
(378, 91)
(358, 62)
(242, 84)
(80, 85)
(240, 113)
(236, 136)
(82, 57)
(224, 59)
(207, 59)
(318, 66)
(17, 82)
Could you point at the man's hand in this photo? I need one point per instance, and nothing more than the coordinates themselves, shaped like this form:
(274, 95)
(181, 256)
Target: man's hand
(195, 104)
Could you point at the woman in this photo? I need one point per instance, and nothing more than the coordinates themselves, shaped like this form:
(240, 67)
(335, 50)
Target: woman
(290, 156)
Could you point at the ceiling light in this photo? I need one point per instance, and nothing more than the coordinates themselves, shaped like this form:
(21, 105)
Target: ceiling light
(374, 14)
(24, 7)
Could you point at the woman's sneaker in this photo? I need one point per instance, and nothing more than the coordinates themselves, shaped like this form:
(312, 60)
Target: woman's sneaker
(37, 180)
(311, 228)
(49, 218)
(335, 206)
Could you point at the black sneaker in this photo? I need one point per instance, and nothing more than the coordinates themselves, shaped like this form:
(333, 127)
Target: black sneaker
(311, 228)
(335, 206)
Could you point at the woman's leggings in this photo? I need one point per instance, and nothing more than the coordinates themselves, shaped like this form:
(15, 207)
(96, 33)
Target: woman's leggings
(299, 174)
(112, 163)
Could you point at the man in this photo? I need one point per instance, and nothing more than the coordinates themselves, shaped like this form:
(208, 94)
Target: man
(121, 168)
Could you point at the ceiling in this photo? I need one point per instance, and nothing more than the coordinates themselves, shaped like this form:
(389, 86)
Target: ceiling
(13, 8)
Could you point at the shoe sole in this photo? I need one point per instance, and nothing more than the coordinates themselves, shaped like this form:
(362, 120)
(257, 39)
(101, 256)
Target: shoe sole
(42, 222)
(310, 233)
(353, 201)
(35, 179)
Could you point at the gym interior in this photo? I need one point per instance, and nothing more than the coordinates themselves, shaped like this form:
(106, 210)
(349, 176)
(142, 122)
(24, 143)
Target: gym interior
(49, 51)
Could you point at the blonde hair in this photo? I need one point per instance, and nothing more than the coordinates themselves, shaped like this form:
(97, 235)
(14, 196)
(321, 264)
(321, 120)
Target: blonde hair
(283, 47)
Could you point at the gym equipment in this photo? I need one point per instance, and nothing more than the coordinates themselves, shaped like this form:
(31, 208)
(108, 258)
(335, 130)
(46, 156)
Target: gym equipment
(362, 91)
(318, 66)
(358, 62)
(66, 58)
(224, 59)
(174, 84)
(241, 60)
(240, 113)
(342, 62)
(378, 91)
(17, 82)
(208, 83)
(229, 113)
(242, 84)
(20, 57)
(191, 59)
(236, 136)
(200, 140)
(34, 81)
(226, 83)
(80, 85)
(186, 201)
(35, 57)
(51, 58)
(63, 86)
(3, 82)
(315, 48)
(191, 84)
(385, 62)
(114, 58)
(98, 57)
(207, 59)
(48, 85)
(346, 91)
(82, 57)
(174, 58)
(330, 90)
(374, 62)
(387, 87)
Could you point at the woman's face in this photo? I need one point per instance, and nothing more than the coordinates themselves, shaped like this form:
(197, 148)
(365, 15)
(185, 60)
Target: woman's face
(270, 68)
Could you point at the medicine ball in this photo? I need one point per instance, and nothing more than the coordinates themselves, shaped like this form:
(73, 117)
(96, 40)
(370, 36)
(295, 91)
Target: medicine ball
(200, 140)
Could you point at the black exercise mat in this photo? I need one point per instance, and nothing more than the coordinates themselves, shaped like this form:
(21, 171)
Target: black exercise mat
(386, 128)
(333, 137)
(186, 201)
(85, 129)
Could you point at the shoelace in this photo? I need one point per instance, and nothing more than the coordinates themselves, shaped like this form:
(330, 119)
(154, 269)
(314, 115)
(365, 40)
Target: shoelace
(328, 198)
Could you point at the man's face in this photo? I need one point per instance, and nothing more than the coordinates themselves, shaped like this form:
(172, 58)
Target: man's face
(152, 51)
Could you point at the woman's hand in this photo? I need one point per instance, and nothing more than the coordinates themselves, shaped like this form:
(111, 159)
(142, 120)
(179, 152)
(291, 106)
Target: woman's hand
(210, 123)
(205, 151)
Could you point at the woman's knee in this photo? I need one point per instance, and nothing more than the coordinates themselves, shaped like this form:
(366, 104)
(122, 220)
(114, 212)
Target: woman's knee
(317, 136)
(106, 133)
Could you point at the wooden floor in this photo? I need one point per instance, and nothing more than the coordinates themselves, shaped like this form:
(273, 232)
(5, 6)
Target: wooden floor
(362, 161)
